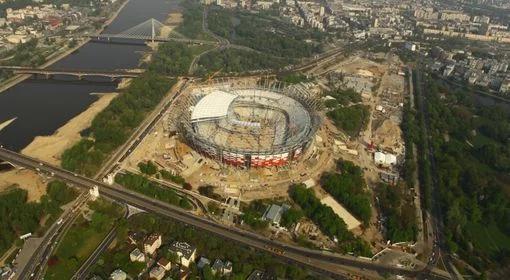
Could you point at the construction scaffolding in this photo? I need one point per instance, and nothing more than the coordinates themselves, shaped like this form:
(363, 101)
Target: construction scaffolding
(249, 124)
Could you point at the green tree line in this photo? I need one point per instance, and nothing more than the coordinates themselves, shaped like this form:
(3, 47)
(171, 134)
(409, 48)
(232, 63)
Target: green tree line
(329, 222)
(397, 206)
(235, 60)
(18, 216)
(112, 127)
(349, 187)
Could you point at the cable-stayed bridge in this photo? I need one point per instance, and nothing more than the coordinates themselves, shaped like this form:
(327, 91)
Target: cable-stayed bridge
(149, 31)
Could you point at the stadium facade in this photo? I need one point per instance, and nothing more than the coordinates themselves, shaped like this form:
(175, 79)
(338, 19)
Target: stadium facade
(249, 126)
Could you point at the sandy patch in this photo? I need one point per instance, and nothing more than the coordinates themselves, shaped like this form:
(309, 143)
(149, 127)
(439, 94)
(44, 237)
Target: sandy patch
(349, 219)
(28, 180)
(389, 136)
(174, 19)
(165, 31)
(50, 148)
(6, 123)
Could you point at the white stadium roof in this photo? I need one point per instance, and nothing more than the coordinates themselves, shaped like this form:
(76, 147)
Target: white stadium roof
(212, 106)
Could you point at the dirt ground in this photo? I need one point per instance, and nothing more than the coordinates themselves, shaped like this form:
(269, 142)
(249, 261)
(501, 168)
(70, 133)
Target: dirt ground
(389, 136)
(174, 19)
(25, 179)
(50, 148)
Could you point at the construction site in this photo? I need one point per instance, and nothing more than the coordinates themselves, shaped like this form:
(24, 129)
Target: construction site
(252, 138)
(247, 137)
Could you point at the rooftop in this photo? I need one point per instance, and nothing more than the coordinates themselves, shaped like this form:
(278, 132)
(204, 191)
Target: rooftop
(274, 213)
(152, 238)
(182, 247)
(214, 105)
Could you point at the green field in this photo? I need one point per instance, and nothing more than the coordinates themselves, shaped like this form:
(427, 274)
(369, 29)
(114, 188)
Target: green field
(488, 238)
(82, 239)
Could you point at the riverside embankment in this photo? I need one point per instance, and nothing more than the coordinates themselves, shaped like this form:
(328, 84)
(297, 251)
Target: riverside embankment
(60, 54)
(43, 106)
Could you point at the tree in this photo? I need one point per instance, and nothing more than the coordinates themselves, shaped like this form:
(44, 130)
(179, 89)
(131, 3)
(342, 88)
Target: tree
(148, 168)
(329, 223)
(349, 188)
(291, 217)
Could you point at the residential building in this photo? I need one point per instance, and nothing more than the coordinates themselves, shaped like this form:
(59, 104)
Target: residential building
(157, 273)
(221, 267)
(165, 264)
(118, 275)
(152, 243)
(185, 253)
(217, 267)
(202, 262)
(137, 256)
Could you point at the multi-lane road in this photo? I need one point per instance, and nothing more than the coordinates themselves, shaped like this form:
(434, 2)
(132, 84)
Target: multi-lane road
(33, 268)
(331, 264)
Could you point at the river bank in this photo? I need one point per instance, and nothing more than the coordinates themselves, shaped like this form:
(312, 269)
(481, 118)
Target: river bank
(50, 148)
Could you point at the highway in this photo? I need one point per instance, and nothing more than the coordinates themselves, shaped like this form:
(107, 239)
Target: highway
(326, 263)
(34, 269)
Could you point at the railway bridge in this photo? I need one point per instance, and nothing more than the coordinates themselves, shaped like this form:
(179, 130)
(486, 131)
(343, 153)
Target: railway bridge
(80, 73)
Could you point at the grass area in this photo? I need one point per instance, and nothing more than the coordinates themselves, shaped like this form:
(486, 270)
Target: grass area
(191, 26)
(82, 239)
(143, 185)
(488, 238)
(294, 78)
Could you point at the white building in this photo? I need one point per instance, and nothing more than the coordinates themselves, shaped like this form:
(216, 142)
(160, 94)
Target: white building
(165, 264)
(118, 275)
(157, 273)
(137, 256)
(152, 243)
(410, 46)
(186, 253)
(385, 159)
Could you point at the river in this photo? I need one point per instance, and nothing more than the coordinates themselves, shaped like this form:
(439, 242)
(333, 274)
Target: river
(42, 106)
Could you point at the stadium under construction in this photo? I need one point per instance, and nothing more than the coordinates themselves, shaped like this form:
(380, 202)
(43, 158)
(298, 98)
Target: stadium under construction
(249, 125)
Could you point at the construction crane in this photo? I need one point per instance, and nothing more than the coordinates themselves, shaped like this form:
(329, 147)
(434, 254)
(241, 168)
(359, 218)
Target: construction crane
(213, 75)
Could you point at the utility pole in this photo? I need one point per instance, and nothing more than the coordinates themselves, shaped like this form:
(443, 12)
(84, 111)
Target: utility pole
(153, 31)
